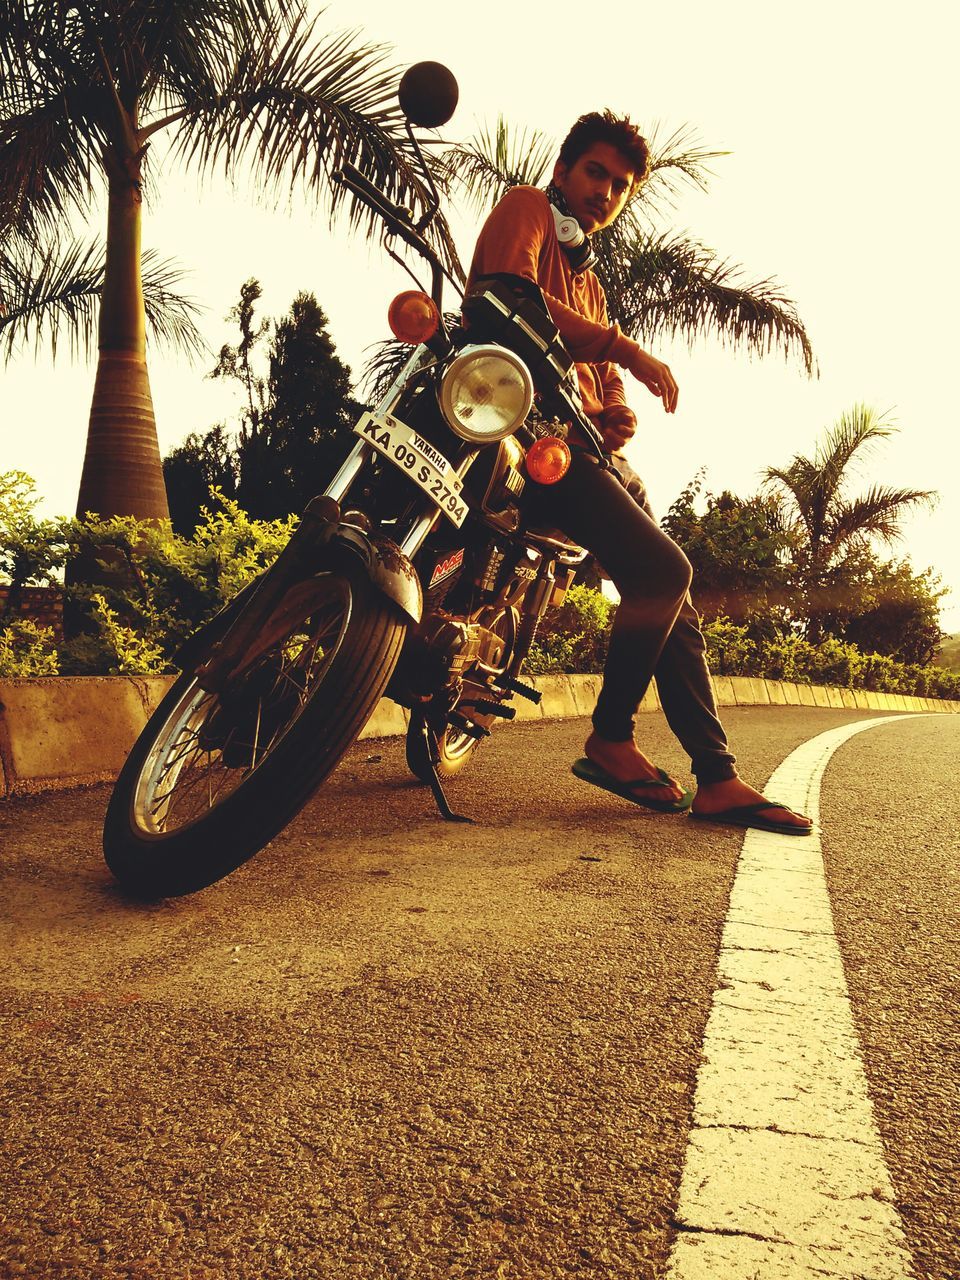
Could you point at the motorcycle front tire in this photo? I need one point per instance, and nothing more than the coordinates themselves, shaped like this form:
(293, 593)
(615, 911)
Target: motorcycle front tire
(156, 863)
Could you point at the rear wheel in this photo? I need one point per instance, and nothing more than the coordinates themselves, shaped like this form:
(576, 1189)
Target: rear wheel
(455, 750)
(455, 747)
(214, 777)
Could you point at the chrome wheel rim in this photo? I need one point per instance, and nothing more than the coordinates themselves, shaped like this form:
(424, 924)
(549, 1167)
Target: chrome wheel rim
(209, 747)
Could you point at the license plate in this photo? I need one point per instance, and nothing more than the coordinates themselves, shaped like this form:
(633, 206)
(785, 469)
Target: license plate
(417, 458)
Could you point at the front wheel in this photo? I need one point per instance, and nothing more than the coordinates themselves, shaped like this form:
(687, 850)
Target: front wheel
(455, 750)
(214, 777)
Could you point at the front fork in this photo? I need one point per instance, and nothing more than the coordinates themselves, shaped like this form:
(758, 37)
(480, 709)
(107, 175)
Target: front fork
(417, 534)
(421, 360)
(321, 527)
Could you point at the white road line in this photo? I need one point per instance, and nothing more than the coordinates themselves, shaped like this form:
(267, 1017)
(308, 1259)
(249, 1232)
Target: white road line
(784, 1175)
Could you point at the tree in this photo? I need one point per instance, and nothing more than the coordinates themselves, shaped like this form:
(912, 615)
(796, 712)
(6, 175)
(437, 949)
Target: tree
(657, 283)
(51, 290)
(309, 416)
(294, 426)
(739, 552)
(249, 85)
(828, 530)
(192, 469)
(895, 611)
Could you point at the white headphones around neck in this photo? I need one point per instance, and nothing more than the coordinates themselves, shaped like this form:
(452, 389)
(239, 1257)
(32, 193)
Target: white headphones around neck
(569, 230)
(573, 240)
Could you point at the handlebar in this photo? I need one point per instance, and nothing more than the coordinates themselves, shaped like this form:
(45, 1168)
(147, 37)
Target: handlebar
(350, 176)
(398, 219)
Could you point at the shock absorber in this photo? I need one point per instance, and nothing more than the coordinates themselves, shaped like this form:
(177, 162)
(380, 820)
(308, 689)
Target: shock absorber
(534, 605)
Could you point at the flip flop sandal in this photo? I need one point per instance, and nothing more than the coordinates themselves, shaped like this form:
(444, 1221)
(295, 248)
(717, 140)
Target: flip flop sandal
(643, 791)
(750, 815)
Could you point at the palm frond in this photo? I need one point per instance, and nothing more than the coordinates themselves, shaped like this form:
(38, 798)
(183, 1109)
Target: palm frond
(52, 291)
(799, 477)
(831, 527)
(187, 44)
(294, 107)
(669, 285)
(815, 482)
(171, 315)
(855, 429)
(876, 513)
(793, 487)
(47, 162)
(52, 133)
(494, 160)
(677, 161)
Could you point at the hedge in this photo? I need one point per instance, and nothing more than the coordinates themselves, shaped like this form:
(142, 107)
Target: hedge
(574, 638)
(172, 584)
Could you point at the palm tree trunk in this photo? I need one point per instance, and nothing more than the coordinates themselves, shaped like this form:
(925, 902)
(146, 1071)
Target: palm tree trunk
(122, 473)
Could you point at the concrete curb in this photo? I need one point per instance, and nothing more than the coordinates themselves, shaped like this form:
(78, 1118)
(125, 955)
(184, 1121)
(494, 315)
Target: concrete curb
(65, 731)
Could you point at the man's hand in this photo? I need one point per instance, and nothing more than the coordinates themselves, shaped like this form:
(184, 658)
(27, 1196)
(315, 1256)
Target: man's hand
(618, 423)
(656, 377)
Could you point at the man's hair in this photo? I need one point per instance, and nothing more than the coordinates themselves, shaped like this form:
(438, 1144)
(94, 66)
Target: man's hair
(618, 131)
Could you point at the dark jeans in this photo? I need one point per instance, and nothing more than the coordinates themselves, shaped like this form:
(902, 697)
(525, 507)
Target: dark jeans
(656, 630)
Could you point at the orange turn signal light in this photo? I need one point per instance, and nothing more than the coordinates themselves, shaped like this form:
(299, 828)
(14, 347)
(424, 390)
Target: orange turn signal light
(413, 316)
(548, 460)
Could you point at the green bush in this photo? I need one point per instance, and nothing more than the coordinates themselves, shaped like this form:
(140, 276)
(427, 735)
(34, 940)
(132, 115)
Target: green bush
(27, 650)
(787, 657)
(168, 585)
(731, 650)
(573, 637)
(163, 586)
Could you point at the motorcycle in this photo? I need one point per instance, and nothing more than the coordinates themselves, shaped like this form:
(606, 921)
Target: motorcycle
(419, 572)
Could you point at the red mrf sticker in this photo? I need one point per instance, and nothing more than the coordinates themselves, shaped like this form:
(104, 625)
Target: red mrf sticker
(445, 567)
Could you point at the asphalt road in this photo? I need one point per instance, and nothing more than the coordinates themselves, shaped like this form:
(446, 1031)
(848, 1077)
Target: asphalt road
(391, 1047)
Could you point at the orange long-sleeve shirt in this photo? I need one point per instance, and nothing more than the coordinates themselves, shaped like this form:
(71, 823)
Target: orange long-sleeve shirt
(519, 237)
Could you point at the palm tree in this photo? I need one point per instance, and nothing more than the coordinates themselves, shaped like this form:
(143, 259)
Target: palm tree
(51, 291)
(248, 85)
(656, 283)
(828, 530)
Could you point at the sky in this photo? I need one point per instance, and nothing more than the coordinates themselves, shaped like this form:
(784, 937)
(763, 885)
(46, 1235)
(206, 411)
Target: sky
(841, 122)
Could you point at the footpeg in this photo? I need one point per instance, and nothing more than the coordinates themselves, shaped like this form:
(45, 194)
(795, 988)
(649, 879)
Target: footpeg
(488, 708)
(466, 726)
(524, 690)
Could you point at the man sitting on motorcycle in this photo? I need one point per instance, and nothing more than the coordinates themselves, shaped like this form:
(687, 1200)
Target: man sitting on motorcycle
(544, 237)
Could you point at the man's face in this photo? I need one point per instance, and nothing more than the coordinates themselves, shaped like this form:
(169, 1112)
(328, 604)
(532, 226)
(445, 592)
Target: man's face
(596, 186)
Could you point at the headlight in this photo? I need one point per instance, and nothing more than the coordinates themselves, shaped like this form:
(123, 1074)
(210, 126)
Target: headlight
(486, 393)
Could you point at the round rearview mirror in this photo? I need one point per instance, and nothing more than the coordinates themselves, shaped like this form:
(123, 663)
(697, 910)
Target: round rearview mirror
(428, 94)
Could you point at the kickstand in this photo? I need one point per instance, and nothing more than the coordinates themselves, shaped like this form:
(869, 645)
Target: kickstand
(419, 726)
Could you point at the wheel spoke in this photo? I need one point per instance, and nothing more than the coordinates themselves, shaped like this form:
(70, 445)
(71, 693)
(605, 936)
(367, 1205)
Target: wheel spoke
(182, 786)
(215, 745)
(224, 777)
(192, 745)
(256, 735)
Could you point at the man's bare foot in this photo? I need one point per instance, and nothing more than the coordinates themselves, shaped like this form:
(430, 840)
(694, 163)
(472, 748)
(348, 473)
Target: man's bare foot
(714, 797)
(627, 763)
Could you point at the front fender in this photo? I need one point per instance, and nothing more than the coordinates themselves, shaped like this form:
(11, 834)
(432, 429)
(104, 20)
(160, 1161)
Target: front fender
(226, 647)
(387, 567)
